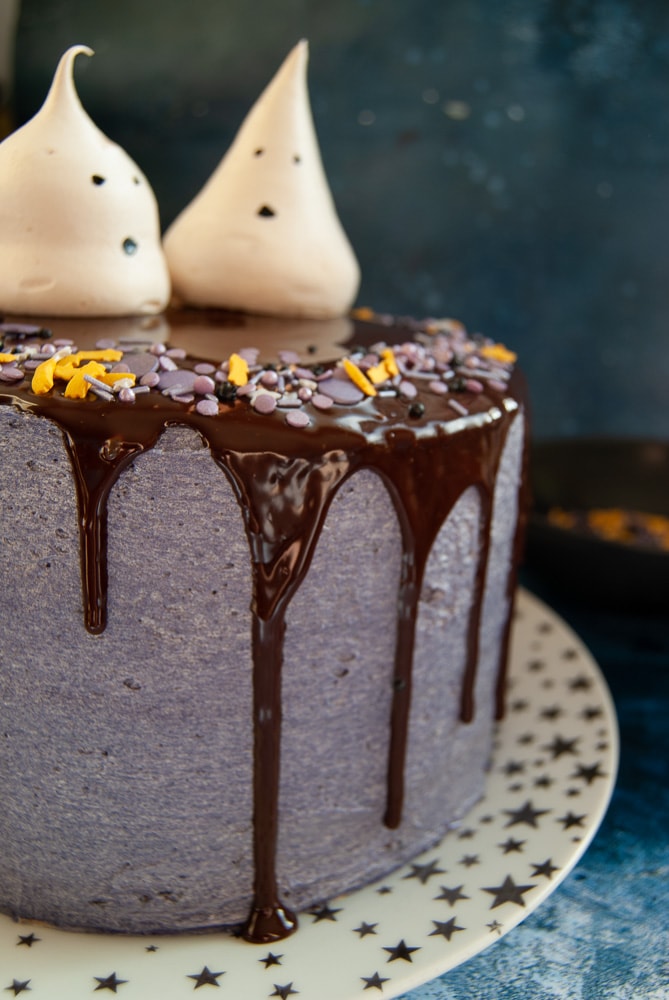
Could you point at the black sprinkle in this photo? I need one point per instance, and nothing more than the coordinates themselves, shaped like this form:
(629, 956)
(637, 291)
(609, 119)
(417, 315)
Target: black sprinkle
(226, 392)
(130, 246)
(457, 385)
(416, 410)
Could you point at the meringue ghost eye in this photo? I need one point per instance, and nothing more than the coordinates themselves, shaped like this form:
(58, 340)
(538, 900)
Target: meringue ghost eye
(130, 246)
(266, 212)
(259, 151)
(136, 180)
(297, 158)
(98, 179)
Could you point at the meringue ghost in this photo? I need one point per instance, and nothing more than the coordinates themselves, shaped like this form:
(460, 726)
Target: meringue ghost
(79, 226)
(263, 235)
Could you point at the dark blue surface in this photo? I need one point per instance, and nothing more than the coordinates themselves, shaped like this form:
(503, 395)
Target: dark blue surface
(605, 931)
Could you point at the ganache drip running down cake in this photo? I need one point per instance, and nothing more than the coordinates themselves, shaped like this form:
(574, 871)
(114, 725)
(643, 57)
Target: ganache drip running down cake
(259, 569)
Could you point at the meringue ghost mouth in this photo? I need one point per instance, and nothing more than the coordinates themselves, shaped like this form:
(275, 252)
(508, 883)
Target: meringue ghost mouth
(266, 212)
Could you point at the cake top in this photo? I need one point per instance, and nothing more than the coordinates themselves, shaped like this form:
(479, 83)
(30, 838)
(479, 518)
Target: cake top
(263, 235)
(80, 232)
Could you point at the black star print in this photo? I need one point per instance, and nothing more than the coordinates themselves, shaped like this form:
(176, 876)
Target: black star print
(374, 982)
(544, 782)
(588, 774)
(545, 868)
(384, 890)
(526, 814)
(525, 739)
(325, 913)
(424, 872)
(560, 746)
(580, 683)
(110, 983)
(514, 767)
(270, 959)
(446, 929)
(518, 706)
(508, 892)
(536, 665)
(401, 950)
(495, 925)
(364, 929)
(469, 860)
(570, 820)
(451, 895)
(19, 987)
(28, 940)
(510, 845)
(152, 947)
(551, 713)
(467, 834)
(283, 991)
(205, 978)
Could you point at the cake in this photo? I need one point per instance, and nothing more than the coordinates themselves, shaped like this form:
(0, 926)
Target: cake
(258, 578)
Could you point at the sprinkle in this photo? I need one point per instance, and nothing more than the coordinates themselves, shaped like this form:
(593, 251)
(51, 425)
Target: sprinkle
(321, 402)
(157, 349)
(358, 377)
(43, 376)
(6, 358)
(102, 394)
(341, 391)
(10, 373)
(458, 407)
(203, 384)
(77, 387)
(416, 410)
(119, 384)
(238, 371)
(407, 390)
(473, 385)
(177, 353)
(150, 380)
(297, 418)
(499, 353)
(206, 407)
(204, 368)
(305, 393)
(95, 383)
(288, 357)
(264, 403)
(289, 400)
(126, 395)
(167, 364)
(438, 388)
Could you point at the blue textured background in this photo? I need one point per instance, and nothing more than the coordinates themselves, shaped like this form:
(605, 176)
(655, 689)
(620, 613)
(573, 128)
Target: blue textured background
(503, 162)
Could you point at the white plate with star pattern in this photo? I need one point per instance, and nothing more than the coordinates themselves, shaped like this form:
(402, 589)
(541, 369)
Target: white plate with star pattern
(553, 771)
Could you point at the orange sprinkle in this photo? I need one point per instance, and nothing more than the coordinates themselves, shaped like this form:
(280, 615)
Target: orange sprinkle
(6, 358)
(43, 376)
(238, 371)
(363, 313)
(357, 376)
(78, 387)
(498, 352)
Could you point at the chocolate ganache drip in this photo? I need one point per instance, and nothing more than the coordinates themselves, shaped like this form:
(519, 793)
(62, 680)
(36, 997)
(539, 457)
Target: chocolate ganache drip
(285, 479)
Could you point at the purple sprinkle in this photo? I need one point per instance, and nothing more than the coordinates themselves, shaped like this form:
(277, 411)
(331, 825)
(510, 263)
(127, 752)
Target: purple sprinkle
(105, 344)
(498, 386)
(245, 390)
(408, 390)
(473, 385)
(10, 373)
(31, 364)
(269, 379)
(207, 407)
(289, 401)
(120, 366)
(303, 373)
(204, 368)
(321, 402)
(264, 403)
(341, 391)
(166, 363)
(458, 407)
(157, 349)
(177, 377)
(178, 353)
(141, 363)
(288, 357)
(62, 342)
(297, 418)
(305, 394)
(438, 388)
(126, 395)
(203, 384)
(151, 379)
(183, 397)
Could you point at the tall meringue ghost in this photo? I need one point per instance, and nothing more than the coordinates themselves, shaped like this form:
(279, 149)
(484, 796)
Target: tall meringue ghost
(263, 234)
(79, 227)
